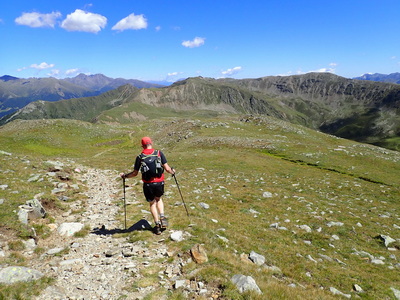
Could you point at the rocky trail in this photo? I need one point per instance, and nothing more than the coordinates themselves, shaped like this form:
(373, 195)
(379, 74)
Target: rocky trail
(101, 265)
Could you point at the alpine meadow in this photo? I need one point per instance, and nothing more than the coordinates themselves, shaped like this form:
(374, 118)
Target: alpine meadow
(291, 185)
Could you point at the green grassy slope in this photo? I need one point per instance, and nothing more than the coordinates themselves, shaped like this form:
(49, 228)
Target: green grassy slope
(231, 163)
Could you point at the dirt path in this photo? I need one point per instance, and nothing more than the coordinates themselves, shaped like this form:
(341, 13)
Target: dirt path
(99, 265)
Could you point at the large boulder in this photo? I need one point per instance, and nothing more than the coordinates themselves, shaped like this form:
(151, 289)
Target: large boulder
(245, 283)
(69, 229)
(14, 274)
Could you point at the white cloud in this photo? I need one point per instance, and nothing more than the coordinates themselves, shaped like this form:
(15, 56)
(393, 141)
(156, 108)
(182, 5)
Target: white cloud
(131, 22)
(158, 28)
(196, 42)
(84, 21)
(54, 73)
(35, 19)
(71, 71)
(173, 76)
(331, 69)
(42, 66)
(232, 71)
(324, 70)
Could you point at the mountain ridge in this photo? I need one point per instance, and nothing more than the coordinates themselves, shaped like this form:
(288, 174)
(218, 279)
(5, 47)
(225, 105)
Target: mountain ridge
(361, 110)
(15, 92)
(391, 78)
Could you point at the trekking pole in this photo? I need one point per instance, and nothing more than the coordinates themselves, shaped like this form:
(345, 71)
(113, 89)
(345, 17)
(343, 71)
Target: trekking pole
(123, 182)
(184, 204)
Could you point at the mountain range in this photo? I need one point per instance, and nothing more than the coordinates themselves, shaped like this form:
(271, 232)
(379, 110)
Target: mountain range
(361, 110)
(15, 92)
(392, 78)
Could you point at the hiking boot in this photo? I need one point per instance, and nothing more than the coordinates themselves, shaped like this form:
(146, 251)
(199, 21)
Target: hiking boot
(164, 222)
(157, 229)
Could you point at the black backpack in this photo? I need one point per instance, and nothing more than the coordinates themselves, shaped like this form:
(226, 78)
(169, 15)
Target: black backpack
(150, 165)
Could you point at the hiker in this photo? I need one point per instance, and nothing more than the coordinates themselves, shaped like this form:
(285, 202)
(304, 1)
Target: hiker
(152, 164)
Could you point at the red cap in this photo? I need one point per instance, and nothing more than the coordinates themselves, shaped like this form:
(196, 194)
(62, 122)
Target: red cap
(146, 141)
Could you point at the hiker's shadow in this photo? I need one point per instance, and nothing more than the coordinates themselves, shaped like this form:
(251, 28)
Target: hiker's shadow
(141, 225)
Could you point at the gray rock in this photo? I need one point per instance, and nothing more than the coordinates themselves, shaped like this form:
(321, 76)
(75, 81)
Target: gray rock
(245, 283)
(58, 190)
(267, 195)
(68, 229)
(337, 292)
(396, 293)
(357, 288)
(224, 239)
(305, 227)
(30, 244)
(256, 258)
(204, 205)
(55, 164)
(23, 213)
(180, 283)
(1, 201)
(252, 211)
(386, 239)
(377, 261)
(54, 251)
(4, 186)
(177, 236)
(5, 153)
(330, 224)
(274, 269)
(14, 274)
(326, 257)
(34, 178)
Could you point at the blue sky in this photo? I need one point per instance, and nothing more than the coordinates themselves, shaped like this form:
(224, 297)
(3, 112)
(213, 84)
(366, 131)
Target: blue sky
(173, 39)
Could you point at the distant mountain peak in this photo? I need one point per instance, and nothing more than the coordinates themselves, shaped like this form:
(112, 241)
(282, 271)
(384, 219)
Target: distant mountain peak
(8, 78)
(390, 78)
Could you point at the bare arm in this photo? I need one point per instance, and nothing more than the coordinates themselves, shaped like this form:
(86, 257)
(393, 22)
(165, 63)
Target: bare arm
(168, 169)
(129, 175)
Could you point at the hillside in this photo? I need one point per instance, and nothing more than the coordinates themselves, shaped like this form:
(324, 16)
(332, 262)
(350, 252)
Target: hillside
(16, 93)
(315, 212)
(364, 111)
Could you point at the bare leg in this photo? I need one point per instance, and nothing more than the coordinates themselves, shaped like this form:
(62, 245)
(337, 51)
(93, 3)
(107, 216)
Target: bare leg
(160, 205)
(154, 211)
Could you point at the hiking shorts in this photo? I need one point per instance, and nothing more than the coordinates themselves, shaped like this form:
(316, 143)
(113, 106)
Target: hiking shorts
(152, 190)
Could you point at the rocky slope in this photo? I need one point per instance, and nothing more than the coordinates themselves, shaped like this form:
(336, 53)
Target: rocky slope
(104, 264)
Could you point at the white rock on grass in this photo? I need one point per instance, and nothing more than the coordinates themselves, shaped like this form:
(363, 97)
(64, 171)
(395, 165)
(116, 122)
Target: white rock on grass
(337, 292)
(204, 205)
(267, 195)
(54, 251)
(396, 293)
(256, 258)
(14, 274)
(330, 224)
(69, 229)
(305, 227)
(358, 288)
(387, 239)
(245, 283)
(177, 236)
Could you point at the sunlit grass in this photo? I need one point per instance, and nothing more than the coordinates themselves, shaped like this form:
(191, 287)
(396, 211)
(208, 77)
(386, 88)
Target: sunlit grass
(308, 179)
